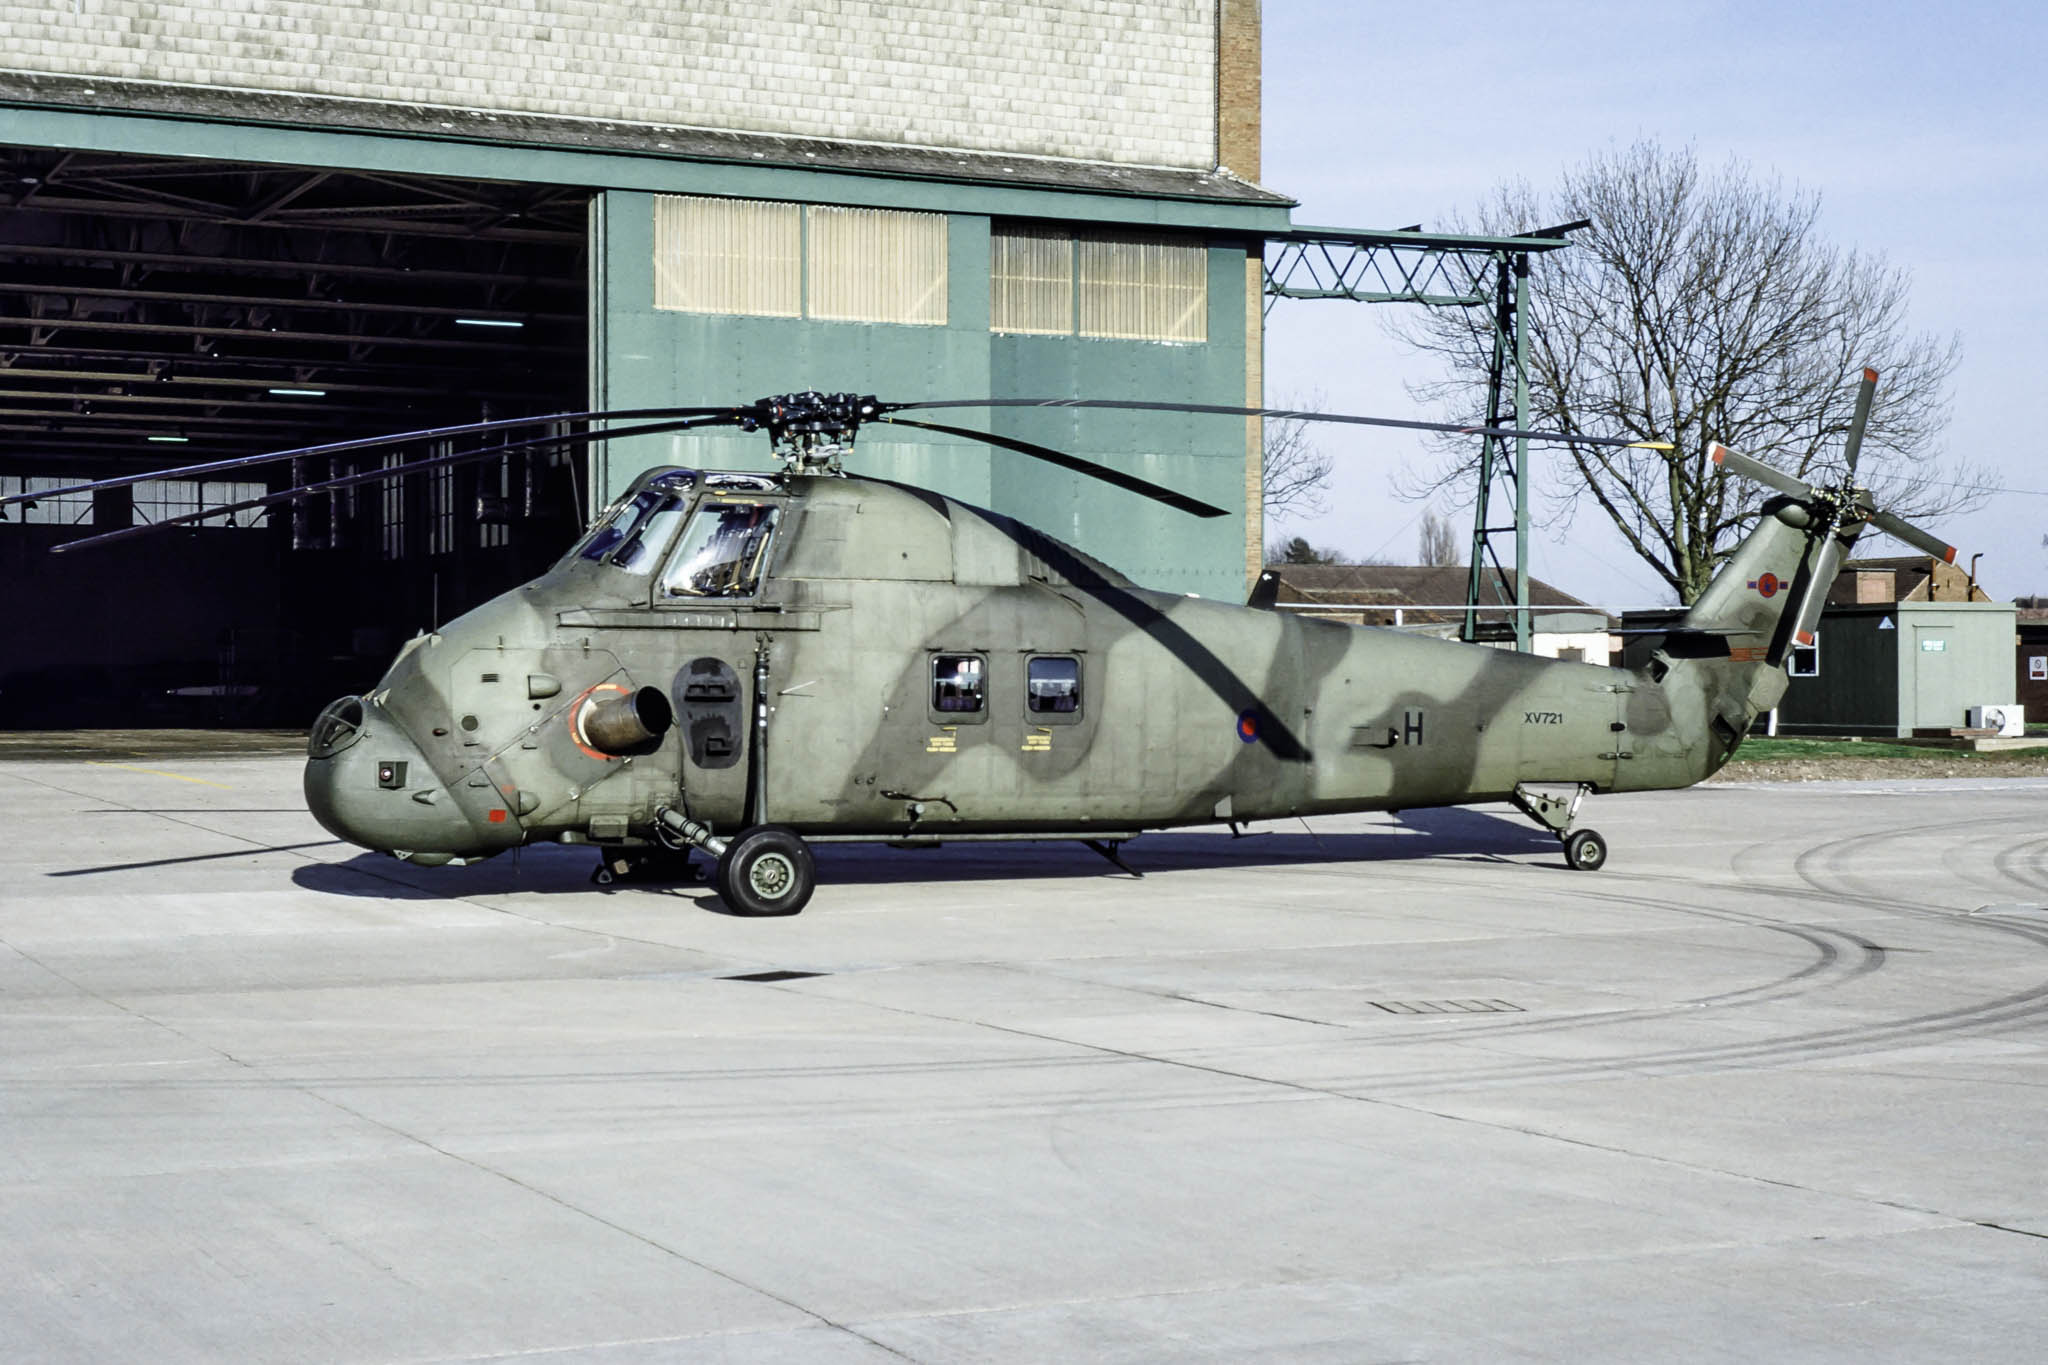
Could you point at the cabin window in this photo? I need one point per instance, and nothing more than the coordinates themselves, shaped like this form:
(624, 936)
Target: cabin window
(723, 551)
(1052, 687)
(959, 685)
(1805, 660)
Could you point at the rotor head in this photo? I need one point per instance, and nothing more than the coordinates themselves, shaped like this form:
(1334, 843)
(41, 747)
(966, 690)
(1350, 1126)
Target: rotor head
(811, 432)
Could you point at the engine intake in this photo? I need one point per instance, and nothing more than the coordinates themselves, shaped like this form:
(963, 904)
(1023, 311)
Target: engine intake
(629, 723)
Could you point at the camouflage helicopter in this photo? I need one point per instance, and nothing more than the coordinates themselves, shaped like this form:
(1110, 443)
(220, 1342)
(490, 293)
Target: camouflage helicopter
(742, 664)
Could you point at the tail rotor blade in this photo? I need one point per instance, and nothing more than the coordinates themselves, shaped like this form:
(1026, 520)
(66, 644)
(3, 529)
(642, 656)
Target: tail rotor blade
(1864, 393)
(1913, 536)
(1759, 472)
(1827, 562)
(1180, 502)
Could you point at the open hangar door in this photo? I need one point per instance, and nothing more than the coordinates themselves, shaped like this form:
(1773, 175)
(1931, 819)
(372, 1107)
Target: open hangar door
(158, 312)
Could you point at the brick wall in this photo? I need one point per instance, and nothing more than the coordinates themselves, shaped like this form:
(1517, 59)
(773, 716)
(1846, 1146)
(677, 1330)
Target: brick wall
(1239, 55)
(1105, 80)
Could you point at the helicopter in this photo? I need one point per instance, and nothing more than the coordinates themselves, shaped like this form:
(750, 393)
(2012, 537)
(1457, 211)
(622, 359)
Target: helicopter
(742, 665)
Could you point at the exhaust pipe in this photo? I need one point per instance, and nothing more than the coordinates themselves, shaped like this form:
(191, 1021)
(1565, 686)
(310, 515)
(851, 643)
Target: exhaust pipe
(627, 724)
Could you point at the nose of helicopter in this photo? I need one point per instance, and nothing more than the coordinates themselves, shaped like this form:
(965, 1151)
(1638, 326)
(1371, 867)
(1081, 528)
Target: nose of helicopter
(367, 782)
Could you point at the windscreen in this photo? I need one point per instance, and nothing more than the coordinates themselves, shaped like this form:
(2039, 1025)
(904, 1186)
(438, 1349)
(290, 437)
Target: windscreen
(634, 533)
(722, 552)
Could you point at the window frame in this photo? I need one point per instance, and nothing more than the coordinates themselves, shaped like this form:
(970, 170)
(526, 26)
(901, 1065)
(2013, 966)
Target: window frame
(931, 694)
(667, 561)
(1792, 659)
(1080, 711)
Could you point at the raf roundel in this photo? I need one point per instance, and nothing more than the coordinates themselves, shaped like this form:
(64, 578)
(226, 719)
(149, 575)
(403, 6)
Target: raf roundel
(1248, 726)
(1768, 585)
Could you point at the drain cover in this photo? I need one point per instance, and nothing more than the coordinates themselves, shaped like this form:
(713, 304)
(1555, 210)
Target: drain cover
(1446, 1006)
(771, 976)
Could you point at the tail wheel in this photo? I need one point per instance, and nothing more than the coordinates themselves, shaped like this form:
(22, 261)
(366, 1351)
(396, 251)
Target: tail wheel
(767, 870)
(1585, 850)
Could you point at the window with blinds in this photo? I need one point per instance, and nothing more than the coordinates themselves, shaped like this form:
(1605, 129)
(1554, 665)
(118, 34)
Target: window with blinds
(1130, 288)
(1031, 281)
(1139, 289)
(763, 259)
(877, 265)
(740, 256)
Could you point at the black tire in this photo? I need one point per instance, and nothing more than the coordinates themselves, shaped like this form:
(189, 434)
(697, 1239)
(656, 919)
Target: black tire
(767, 870)
(1585, 851)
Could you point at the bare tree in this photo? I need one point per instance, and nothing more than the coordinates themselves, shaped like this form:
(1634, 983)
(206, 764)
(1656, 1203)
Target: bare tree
(1697, 308)
(1295, 476)
(1439, 541)
(1299, 551)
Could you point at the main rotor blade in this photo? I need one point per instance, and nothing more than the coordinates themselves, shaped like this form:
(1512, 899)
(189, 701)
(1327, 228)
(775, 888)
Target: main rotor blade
(369, 443)
(1914, 536)
(1285, 414)
(1864, 393)
(1759, 472)
(285, 495)
(1180, 502)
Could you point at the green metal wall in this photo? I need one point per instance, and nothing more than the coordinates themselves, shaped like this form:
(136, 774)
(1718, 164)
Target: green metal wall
(640, 357)
(645, 358)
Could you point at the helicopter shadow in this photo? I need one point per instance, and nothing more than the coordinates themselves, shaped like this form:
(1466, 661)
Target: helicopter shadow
(1414, 836)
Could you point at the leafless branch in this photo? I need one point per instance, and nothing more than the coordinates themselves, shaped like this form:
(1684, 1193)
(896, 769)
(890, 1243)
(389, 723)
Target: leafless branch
(1700, 307)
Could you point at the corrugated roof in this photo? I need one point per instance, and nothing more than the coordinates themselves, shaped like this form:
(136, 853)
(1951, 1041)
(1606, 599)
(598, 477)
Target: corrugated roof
(103, 94)
(1413, 588)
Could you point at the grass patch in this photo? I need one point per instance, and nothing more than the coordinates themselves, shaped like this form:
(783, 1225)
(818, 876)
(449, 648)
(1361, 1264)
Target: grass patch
(1761, 750)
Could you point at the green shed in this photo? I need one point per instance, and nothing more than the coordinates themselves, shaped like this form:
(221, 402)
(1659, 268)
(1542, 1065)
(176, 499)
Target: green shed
(1895, 667)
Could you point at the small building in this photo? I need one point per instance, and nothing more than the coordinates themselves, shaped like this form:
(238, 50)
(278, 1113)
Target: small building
(1903, 644)
(1890, 668)
(1427, 598)
(2030, 674)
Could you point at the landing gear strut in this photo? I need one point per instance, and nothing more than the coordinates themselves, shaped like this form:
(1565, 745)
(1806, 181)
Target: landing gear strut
(764, 870)
(1584, 849)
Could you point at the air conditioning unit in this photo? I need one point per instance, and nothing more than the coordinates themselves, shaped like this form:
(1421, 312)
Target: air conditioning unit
(2008, 719)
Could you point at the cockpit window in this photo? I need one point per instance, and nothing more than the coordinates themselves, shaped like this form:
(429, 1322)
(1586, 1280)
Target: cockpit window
(623, 518)
(641, 548)
(723, 550)
(633, 534)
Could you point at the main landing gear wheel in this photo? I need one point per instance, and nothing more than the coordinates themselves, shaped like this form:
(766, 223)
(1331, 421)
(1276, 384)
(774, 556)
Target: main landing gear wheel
(1585, 850)
(767, 870)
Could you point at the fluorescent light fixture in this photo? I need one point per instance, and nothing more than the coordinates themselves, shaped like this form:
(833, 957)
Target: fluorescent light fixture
(171, 440)
(487, 322)
(302, 393)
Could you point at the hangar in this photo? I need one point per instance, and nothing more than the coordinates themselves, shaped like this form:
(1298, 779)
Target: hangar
(225, 231)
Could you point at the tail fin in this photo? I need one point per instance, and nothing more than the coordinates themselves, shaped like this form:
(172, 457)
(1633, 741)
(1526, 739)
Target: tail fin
(1763, 601)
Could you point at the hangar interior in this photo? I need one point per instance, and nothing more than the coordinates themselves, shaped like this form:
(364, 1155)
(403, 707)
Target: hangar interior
(158, 312)
(220, 237)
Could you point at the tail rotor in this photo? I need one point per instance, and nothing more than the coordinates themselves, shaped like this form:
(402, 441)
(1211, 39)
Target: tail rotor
(1836, 508)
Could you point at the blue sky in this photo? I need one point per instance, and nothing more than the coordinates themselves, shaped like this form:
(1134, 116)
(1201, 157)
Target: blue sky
(1921, 126)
